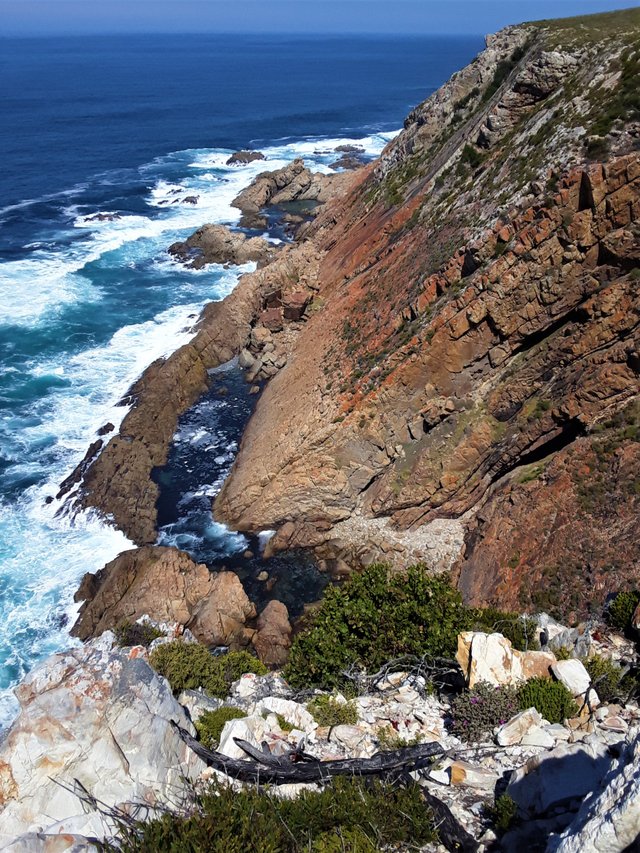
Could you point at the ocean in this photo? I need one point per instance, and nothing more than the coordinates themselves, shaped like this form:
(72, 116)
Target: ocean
(132, 126)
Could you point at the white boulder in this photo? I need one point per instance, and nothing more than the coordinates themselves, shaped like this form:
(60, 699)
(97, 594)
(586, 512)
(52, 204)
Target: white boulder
(252, 729)
(99, 716)
(293, 712)
(513, 731)
(573, 675)
(490, 658)
(609, 818)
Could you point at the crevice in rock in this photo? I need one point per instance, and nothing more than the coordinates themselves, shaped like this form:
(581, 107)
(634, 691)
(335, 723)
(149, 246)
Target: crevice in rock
(535, 338)
(559, 439)
(585, 197)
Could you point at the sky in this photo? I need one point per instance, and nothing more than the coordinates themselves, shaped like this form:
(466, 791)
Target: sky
(51, 17)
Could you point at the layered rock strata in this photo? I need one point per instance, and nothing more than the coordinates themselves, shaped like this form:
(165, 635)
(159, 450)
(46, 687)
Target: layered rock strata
(455, 339)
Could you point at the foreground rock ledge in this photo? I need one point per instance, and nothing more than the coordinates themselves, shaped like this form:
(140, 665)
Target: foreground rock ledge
(99, 716)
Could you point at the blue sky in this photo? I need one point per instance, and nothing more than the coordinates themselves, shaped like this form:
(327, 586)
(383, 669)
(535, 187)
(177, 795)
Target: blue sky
(26, 17)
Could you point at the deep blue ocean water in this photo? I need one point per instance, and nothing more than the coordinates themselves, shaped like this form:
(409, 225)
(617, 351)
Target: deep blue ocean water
(133, 126)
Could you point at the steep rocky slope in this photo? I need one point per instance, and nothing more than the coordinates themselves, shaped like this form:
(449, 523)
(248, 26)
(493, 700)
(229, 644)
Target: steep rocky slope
(480, 318)
(452, 344)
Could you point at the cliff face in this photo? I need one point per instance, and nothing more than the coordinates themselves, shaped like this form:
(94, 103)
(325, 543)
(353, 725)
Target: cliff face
(452, 344)
(478, 335)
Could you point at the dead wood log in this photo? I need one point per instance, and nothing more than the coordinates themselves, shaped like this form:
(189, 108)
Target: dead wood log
(298, 766)
(276, 770)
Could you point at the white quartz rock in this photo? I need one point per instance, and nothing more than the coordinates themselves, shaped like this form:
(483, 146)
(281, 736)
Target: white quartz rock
(100, 716)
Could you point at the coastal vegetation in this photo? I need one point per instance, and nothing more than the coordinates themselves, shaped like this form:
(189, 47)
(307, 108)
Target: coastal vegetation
(348, 815)
(187, 666)
(378, 615)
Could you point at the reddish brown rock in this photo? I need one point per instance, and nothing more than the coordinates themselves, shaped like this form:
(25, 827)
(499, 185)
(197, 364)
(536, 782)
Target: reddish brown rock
(294, 305)
(167, 585)
(271, 319)
(220, 618)
(163, 583)
(272, 640)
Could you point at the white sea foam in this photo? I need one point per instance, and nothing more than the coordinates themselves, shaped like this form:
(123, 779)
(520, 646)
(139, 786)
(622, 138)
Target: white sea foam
(43, 556)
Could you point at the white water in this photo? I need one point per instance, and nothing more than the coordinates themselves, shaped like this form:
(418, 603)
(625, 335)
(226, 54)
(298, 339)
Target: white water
(117, 270)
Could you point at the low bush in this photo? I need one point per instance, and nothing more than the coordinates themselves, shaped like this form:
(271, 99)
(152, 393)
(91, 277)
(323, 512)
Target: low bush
(376, 616)
(187, 666)
(475, 713)
(609, 682)
(327, 711)
(549, 698)
(621, 610)
(348, 815)
(372, 618)
(210, 724)
(136, 634)
(505, 812)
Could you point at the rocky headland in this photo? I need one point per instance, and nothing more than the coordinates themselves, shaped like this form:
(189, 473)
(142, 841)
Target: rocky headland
(449, 355)
(451, 344)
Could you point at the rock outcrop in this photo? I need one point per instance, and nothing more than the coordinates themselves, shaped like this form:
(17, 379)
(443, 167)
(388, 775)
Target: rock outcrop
(291, 183)
(452, 346)
(168, 586)
(217, 244)
(101, 717)
(491, 659)
(272, 639)
(219, 619)
(241, 158)
(609, 818)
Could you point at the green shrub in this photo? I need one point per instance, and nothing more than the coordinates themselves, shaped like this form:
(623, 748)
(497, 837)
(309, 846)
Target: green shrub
(237, 664)
(504, 812)
(327, 711)
(284, 724)
(621, 610)
(348, 815)
(521, 630)
(550, 698)
(608, 681)
(136, 633)
(474, 713)
(374, 617)
(563, 653)
(187, 666)
(210, 724)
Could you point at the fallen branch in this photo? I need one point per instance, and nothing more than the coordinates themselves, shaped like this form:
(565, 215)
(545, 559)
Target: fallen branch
(299, 767)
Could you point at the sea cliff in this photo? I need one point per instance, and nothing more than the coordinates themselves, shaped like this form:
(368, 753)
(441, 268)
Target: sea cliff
(451, 344)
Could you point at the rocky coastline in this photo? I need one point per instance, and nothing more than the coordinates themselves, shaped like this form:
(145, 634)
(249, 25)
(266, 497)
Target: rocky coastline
(420, 402)
(446, 360)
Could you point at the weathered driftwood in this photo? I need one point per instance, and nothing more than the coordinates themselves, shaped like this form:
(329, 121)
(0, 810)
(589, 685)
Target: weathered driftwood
(299, 767)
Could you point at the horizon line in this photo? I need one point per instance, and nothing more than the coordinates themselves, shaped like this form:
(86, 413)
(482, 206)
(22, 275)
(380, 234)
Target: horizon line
(332, 33)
